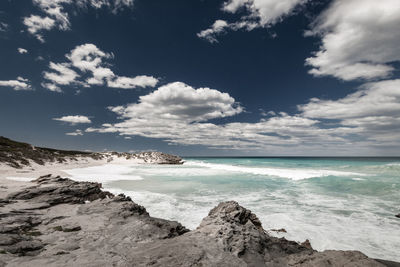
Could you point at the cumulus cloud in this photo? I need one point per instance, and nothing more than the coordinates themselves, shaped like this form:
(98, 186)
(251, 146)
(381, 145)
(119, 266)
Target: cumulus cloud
(374, 99)
(360, 38)
(181, 114)
(373, 111)
(54, 14)
(258, 14)
(22, 50)
(18, 84)
(181, 102)
(90, 61)
(73, 120)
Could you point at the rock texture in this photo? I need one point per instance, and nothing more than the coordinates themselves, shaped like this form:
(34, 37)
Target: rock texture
(18, 155)
(60, 222)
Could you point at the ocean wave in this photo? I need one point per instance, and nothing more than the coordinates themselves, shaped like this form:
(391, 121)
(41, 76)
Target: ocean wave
(328, 222)
(393, 164)
(294, 174)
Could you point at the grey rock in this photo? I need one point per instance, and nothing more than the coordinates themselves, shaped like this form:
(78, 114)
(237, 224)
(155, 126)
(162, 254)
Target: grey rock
(114, 231)
(67, 247)
(27, 247)
(62, 190)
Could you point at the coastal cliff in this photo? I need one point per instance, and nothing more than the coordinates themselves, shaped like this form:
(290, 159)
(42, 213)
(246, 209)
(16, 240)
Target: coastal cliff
(55, 221)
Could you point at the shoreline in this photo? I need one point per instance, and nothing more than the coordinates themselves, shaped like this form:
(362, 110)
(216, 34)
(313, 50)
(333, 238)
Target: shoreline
(61, 170)
(67, 215)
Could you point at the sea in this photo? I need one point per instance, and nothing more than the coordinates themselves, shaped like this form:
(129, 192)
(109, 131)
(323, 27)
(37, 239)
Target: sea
(336, 203)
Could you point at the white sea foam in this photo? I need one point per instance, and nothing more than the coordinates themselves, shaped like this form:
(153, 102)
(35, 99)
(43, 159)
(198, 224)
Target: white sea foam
(322, 220)
(397, 164)
(329, 219)
(20, 179)
(328, 222)
(294, 174)
(104, 173)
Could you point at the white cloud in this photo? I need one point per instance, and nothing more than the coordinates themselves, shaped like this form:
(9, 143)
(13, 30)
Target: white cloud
(22, 50)
(181, 102)
(378, 99)
(73, 120)
(259, 13)
(75, 133)
(360, 38)
(90, 60)
(18, 84)
(52, 87)
(372, 112)
(129, 83)
(359, 123)
(218, 27)
(55, 16)
(64, 75)
(114, 5)
(36, 24)
(87, 57)
(180, 114)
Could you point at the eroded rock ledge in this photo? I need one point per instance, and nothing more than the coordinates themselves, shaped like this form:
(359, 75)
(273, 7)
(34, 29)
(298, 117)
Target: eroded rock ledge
(60, 222)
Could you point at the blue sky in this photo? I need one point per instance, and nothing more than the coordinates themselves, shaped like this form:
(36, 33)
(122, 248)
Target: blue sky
(206, 77)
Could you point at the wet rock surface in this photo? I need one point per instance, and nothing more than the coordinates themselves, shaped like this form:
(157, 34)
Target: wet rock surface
(60, 222)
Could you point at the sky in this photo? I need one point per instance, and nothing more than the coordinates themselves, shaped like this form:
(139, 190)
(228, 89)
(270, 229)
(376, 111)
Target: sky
(203, 77)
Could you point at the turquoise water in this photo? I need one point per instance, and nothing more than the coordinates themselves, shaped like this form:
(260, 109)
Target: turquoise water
(336, 203)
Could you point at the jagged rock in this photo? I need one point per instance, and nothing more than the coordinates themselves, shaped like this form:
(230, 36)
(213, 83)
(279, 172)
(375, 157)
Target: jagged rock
(10, 239)
(306, 244)
(114, 231)
(60, 190)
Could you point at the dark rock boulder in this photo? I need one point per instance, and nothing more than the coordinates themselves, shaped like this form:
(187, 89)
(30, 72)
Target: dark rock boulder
(85, 226)
(60, 191)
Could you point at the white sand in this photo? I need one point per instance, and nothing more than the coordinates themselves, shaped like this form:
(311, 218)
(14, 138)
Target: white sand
(12, 179)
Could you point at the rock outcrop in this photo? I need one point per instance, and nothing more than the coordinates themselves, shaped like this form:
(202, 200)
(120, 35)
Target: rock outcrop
(60, 222)
(18, 155)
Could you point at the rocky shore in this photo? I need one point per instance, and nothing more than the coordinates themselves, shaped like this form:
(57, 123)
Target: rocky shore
(19, 155)
(54, 221)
